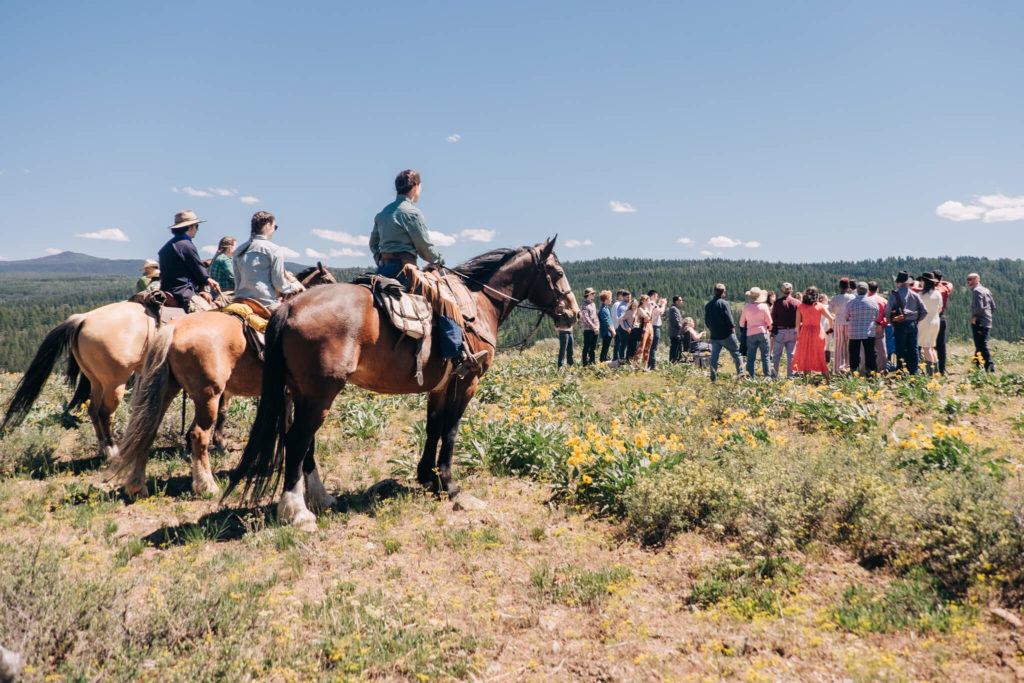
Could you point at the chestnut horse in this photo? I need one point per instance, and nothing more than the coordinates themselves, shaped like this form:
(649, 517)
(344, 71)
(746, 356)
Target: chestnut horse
(330, 336)
(205, 354)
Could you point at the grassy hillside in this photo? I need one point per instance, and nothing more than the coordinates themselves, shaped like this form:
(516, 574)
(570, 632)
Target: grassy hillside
(637, 526)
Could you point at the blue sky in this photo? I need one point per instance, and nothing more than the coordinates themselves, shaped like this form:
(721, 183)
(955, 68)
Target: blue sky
(813, 130)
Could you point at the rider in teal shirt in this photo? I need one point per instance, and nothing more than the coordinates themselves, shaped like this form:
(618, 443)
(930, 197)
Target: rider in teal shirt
(399, 234)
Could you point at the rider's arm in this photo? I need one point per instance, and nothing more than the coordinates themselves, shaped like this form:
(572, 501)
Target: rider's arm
(282, 285)
(414, 224)
(375, 243)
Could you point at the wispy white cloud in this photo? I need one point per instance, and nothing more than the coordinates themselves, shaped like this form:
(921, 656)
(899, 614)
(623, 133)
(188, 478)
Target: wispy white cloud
(454, 137)
(111, 234)
(223, 191)
(723, 242)
(346, 251)
(441, 239)
(193, 192)
(990, 208)
(752, 245)
(578, 243)
(288, 253)
(210, 249)
(342, 237)
(174, 189)
(478, 235)
(685, 241)
(249, 199)
(313, 253)
(706, 253)
(621, 207)
(52, 250)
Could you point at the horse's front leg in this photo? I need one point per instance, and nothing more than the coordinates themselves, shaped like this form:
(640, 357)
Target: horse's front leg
(458, 399)
(203, 482)
(426, 471)
(219, 440)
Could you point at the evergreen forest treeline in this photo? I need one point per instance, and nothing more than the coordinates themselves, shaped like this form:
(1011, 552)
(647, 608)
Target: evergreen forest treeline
(32, 304)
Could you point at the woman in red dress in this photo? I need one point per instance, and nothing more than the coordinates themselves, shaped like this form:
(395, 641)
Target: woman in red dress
(810, 343)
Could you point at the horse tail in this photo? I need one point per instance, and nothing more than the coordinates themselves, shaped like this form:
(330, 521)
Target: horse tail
(149, 401)
(74, 373)
(32, 382)
(263, 457)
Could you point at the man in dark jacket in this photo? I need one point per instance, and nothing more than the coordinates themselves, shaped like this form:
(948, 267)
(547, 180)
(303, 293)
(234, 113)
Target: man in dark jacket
(675, 330)
(182, 272)
(722, 330)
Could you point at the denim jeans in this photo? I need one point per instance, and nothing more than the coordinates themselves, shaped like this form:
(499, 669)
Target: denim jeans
(730, 344)
(785, 340)
(905, 334)
(621, 343)
(450, 332)
(565, 344)
(757, 342)
(654, 346)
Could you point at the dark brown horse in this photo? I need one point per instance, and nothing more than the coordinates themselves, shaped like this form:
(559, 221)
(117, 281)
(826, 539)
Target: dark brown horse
(330, 336)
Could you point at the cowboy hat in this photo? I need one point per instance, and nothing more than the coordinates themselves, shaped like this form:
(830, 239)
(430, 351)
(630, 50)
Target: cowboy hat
(588, 291)
(149, 263)
(902, 276)
(756, 295)
(184, 219)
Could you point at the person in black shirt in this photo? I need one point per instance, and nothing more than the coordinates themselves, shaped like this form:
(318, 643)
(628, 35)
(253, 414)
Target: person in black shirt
(722, 331)
(182, 272)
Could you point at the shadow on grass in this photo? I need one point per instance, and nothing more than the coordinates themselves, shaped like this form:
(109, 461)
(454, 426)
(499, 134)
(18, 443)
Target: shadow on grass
(44, 466)
(232, 524)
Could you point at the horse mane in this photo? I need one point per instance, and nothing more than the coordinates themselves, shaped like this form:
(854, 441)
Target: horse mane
(483, 267)
(304, 273)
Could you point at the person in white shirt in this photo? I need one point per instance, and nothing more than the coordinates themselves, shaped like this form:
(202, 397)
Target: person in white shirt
(259, 265)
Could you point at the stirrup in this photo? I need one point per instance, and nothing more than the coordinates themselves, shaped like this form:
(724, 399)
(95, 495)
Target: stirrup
(468, 363)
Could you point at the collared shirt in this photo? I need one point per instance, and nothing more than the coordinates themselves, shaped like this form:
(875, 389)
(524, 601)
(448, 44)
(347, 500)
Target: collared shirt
(259, 271)
(882, 305)
(757, 318)
(182, 272)
(588, 316)
(605, 317)
(907, 301)
(400, 227)
(860, 316)
(618, 308)
(837, 306)
(656, 310)
(945, 289)
(718, 319)
(982, 305)
(222, 271)
(784, 313)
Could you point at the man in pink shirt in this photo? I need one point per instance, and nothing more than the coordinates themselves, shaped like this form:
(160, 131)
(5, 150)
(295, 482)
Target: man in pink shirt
(757, 318)
(880, 324)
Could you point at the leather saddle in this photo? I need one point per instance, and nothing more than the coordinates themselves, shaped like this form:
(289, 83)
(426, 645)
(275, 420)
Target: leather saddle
(411, 314)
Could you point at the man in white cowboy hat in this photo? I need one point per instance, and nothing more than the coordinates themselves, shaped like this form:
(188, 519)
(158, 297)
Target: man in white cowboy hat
(150, 276)
(182, 272)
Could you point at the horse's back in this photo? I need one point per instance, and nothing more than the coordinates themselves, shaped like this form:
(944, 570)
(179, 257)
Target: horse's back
(114, 337)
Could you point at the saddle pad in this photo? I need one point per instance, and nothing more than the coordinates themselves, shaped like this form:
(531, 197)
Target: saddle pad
(411, 314)
(169, 314)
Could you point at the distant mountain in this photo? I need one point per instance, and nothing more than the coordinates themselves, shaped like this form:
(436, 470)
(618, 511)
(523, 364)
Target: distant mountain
(73, 263)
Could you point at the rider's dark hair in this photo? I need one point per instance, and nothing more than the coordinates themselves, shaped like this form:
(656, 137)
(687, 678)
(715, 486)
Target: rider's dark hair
(406, 180)
(260, 220)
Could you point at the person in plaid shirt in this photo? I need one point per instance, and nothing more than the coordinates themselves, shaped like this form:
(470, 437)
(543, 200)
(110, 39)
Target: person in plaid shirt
(860, 315)
(221, 268)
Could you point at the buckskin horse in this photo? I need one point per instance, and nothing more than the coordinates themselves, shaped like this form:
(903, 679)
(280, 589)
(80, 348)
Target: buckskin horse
(205, 354)
(106, 345)
(330, 336)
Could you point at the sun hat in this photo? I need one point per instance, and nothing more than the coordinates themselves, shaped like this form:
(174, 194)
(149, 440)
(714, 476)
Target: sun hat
(588, 291)
(149, 263)
(756, 295)
(902, 276)
(184, 219)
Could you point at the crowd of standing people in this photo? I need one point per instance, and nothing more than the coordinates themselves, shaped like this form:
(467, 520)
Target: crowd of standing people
(856, 330)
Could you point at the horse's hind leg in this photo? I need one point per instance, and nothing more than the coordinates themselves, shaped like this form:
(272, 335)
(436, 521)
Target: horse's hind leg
(309, 415)
(426, 471)
(219, 440)
(317, 497)
(202, 430)
(458, 398)
(102, 406)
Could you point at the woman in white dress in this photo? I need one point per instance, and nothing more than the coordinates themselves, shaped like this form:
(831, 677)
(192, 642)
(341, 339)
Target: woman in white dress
(928, 326)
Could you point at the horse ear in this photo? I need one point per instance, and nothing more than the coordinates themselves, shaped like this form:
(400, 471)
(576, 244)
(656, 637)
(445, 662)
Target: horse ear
(549, 246)
(320, 267)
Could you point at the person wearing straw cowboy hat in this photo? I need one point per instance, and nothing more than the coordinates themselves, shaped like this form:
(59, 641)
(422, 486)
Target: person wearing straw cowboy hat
(757, 318)
(182, 273)
(150, 276)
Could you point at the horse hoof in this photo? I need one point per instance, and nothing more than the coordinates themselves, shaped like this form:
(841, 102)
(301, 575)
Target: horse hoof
(203, 487)
(136, 491)
(326, 502)
(305, 521)
(291, 511)
(453, 491)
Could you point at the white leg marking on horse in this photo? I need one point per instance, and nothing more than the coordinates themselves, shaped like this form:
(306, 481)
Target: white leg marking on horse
(316, 495)
(202, 481)
(292, 508)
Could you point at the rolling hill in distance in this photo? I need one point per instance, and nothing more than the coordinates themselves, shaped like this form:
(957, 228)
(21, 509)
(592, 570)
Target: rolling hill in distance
(37, 294)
